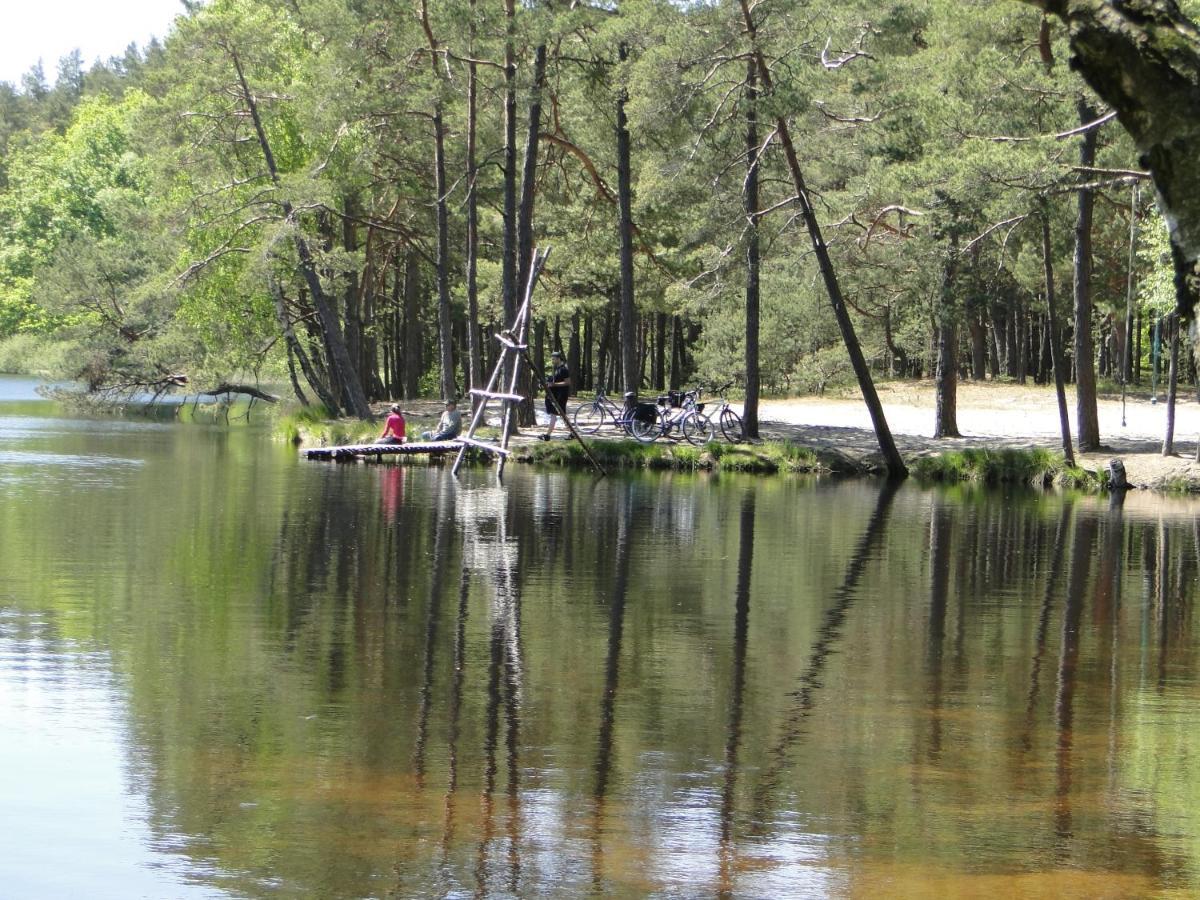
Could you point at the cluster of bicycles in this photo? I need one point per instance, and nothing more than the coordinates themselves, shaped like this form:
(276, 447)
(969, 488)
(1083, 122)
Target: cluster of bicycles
(676, 414)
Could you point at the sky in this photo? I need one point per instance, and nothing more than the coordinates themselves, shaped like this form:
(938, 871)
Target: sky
(50, 29)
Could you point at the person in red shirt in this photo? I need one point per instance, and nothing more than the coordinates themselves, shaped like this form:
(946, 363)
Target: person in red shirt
(393, 427)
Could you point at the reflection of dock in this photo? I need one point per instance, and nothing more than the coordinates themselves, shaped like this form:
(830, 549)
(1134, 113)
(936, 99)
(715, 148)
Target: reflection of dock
(351, 452)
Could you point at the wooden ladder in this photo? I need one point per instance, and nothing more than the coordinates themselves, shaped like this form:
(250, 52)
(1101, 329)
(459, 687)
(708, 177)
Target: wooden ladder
(512, 347)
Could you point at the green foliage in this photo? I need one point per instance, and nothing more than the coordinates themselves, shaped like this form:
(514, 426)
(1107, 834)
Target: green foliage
(140, 221)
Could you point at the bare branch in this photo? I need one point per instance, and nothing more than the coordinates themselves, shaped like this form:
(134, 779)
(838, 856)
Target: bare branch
(849, 56)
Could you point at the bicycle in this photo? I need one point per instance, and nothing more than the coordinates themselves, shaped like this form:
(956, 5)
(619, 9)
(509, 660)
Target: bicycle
(678, 411)
(729, 421)
(635, 419)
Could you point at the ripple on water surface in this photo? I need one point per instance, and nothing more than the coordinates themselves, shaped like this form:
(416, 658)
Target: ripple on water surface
(73, 810)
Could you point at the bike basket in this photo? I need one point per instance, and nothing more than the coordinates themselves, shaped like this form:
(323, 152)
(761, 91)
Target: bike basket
(699, 407)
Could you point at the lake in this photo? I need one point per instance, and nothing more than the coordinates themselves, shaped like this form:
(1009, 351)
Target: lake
(229, 672)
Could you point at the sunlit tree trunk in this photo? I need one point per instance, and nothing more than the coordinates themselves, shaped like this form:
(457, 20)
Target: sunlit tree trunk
(629, 367)
(1085, 372)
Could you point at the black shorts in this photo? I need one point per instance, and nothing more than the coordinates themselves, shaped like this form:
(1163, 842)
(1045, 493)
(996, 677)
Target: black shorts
(562, 401)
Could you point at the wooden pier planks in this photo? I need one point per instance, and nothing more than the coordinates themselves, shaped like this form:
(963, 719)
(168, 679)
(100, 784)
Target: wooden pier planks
(358, 451)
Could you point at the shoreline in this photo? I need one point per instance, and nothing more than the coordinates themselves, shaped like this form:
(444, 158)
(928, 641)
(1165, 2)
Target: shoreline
(1009, 436)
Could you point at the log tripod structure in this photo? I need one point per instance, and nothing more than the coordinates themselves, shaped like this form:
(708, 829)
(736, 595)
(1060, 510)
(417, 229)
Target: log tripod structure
(514, 350)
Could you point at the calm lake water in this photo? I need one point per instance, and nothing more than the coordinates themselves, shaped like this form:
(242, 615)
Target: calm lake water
(227, 672)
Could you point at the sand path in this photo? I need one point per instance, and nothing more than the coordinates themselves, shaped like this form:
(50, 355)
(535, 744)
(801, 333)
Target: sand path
(991, 415)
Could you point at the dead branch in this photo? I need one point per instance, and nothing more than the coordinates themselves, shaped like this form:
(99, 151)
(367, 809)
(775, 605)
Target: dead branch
(849, 56)
(248, 390)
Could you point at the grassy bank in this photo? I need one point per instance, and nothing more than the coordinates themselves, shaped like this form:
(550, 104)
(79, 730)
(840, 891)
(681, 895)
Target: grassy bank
(1036, 467)
(764, 458)
(1032, 467)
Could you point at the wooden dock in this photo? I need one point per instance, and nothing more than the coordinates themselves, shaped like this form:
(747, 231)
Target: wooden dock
(351, 452)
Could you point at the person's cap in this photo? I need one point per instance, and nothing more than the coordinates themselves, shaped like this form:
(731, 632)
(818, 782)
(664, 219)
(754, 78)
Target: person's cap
(395, 407)
(452, 402)
(557, 353)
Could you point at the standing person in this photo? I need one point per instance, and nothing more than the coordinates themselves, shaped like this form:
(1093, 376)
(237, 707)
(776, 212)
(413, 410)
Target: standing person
(558, 388)
(449, 425)
(393, 427)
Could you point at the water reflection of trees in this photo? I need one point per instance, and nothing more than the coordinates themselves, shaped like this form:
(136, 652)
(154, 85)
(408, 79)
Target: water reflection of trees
(495, 675)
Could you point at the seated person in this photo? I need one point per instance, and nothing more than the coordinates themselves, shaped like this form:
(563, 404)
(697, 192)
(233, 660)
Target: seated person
(448, 427)
(393, 427)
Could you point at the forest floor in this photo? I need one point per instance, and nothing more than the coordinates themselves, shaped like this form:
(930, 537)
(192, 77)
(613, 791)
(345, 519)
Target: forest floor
(995, 415)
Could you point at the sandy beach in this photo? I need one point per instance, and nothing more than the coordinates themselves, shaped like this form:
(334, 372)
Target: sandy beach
(992, 415)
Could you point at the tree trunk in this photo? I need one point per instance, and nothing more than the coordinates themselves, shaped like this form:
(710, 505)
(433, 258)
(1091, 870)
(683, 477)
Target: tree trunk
(1143, 58)
(1056, 359)
(676, 377)
(660, 351)
(508, 266)
(347, 374)
(586, 348)
(525, 410)
(625, 232)
(411, 352)
(445, 334)
(946, 374)
(574, 358)
(353, 293)
(1085, 374)
(978, 348)
(474, 334)
(1168, 448)
(750, 407)
(892, 459)
(1022, 329)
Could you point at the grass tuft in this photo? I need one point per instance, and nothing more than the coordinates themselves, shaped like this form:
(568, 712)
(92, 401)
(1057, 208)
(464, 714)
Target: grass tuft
(1037, 466)
(770, 457)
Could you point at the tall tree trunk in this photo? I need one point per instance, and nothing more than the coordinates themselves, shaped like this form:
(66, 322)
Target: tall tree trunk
(1022, 329)
(353, 294)
(892, 459)
(1088, 422)
(445, 332)
(946, 376)
(750, 407)
(1056, 360)
(1168, 447)
(660, 351)
(525, 413)
(474, 334)
(339, 356)
(978, 347)
(508, 266)
(625, 230)
(574, 357)
(372, 282)
(411, 352)
(676, 376)
(586, 348)
(442, 264)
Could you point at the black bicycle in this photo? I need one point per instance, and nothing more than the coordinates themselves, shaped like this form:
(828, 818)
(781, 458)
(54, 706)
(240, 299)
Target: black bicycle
(639, 420)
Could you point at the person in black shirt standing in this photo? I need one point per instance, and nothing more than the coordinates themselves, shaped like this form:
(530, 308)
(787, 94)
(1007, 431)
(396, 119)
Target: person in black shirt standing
(558, 388)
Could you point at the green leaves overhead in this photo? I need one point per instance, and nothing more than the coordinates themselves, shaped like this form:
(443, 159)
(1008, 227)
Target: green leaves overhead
(921, 123)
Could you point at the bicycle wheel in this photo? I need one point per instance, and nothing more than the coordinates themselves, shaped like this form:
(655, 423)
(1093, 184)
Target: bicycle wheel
(731, 426)
(646, 432)
(589, 418)
(697, 429)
